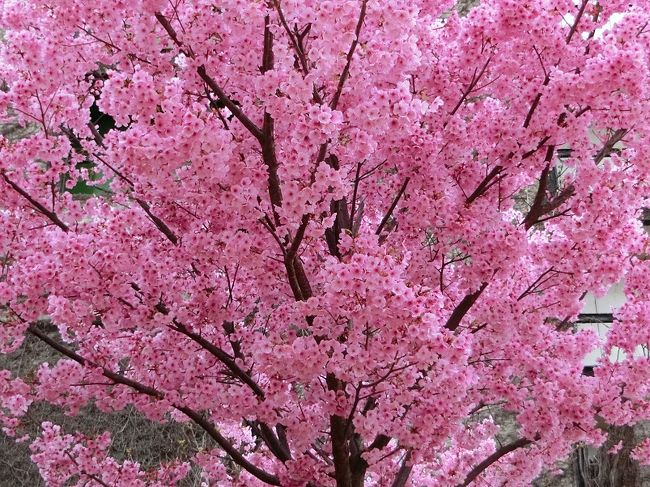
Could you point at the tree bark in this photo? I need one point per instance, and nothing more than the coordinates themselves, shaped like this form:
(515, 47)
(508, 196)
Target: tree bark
(599, 468)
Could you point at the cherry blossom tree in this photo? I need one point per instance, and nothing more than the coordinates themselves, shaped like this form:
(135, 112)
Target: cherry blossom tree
(332, 234)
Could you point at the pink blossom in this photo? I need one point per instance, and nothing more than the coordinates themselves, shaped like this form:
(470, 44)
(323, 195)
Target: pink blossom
(333, 234)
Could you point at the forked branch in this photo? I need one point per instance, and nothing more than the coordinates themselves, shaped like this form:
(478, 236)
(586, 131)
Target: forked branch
(392, 207)
(481, 467)
(463, 307)
(195, 416)
(225, 99)
(50, 215)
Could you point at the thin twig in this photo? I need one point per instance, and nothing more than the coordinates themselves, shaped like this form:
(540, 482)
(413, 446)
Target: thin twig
(389, 213)
(50, 215)
(160, 225)
(300, 54)
(346, 70)
(470, 87)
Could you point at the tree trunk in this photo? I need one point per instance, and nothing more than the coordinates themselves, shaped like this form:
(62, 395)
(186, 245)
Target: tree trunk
(596, 467)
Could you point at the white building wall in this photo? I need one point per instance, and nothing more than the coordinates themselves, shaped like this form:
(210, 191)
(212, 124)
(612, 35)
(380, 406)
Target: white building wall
(606, 304)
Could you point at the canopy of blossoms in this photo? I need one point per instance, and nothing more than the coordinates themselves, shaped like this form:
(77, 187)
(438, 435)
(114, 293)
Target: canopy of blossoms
(331, 233)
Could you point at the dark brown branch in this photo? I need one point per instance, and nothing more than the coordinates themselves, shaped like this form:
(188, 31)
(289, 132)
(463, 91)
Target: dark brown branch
(99, 140)
(222, 356)
(281, 431)
(160, 225)
(270, 159)
(212, 84)
(297, 46)
(470, 87)
(116, 378)
(357, 180)
(380, 442)
(389, 213)
(172, 34)
(358, 465)
(486, 184)
(268, 130)
(115, 171)
(300, 234)
(267, 52)
(50, 215)
(342, 222)
(170, 30)
(95, 478)
(322, 455)
(340, 436)
(539, 281)
(533, 107)
(463, 307)
(108, 44)
(535, 103)
(541, 206)
(531, 152)
(574, 27)
(404, 471)
(541, 61)
(208, 427)
(223, 442)
(297, 279)
(536, 209)
(264, 431)
(608, 147)
(338, 208)
(558, 201)
(234, 109)
(481, 467)
(280, 450)
(547, 78)
(55, 345)
(229, 329)
(340, 451)
(83, 472)
(346, 70)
